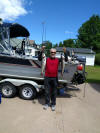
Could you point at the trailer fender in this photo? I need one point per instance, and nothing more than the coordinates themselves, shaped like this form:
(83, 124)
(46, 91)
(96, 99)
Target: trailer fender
(19, 82)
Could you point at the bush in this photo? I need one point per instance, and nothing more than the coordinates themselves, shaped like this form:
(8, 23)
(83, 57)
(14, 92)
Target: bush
(97, 59)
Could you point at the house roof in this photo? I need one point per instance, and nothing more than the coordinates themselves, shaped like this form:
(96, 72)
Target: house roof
(31, 42)
(76, 50)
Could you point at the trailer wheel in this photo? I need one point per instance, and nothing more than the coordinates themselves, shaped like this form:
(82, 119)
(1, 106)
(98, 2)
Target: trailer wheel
(8, 90)
(27, 92)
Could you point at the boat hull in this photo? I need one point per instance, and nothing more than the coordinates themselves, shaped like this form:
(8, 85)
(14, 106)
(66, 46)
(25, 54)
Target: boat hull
(20, 68)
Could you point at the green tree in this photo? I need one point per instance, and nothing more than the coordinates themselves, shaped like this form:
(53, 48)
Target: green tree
(55, 45)
(48, 45)
(69, 43)
(89, 33)
(77, 43)
(60, 44)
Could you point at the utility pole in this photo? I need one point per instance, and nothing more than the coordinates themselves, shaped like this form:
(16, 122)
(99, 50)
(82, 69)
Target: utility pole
(43, 31)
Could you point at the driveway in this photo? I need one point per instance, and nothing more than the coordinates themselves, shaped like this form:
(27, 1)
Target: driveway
(74, 113)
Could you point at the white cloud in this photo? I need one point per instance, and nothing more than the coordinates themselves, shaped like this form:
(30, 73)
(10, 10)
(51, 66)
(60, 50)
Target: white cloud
(12, 9)
(68, 32)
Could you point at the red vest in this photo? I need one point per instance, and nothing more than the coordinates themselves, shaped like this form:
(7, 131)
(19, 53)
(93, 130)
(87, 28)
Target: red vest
(51, 69)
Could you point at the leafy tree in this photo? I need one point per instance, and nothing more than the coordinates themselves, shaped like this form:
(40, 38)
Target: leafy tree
(89, 33)
(48, 45)
(60, 44)
(77, 43)
(69, 43)
(55, 45)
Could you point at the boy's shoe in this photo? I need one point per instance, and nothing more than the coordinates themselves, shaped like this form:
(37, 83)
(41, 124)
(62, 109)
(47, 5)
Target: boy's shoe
(45, 106)
(53, 107)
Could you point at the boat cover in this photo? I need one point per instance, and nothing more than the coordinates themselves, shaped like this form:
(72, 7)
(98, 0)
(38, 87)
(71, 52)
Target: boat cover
(16, 30)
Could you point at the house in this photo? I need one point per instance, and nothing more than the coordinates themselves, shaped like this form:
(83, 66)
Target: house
(33, 44)
(88, 53)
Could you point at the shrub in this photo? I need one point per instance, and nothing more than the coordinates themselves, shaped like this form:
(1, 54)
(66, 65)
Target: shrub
(97, 59)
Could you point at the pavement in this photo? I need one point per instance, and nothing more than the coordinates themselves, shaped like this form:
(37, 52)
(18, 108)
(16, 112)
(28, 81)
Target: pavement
(77, 111)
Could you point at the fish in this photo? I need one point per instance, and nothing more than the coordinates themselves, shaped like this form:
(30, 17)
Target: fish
(62, 64)
(43, 63)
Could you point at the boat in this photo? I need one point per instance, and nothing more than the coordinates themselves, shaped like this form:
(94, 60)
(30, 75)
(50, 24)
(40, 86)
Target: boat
(15, 64)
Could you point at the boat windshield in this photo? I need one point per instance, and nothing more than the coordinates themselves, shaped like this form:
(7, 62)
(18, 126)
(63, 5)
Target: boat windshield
(5, 38)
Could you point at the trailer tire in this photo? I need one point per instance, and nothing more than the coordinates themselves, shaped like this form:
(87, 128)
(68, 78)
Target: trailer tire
(27, 92)
(8, 90)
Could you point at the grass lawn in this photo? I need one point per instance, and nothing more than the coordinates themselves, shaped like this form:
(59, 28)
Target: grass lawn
(93, 74)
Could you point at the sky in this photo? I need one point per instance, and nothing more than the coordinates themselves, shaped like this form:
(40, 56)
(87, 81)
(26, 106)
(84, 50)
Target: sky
(60, 19)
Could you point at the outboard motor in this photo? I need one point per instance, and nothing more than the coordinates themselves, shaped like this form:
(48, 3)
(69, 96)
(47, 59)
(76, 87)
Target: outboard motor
(79, 77)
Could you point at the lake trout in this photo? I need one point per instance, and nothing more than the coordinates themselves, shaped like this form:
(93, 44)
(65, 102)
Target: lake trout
(62, 64)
